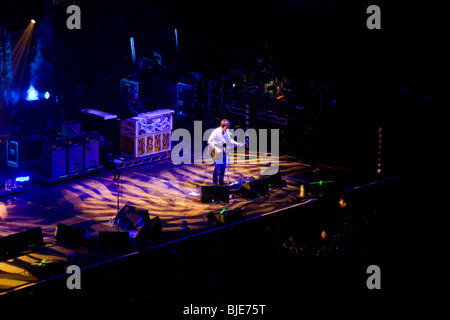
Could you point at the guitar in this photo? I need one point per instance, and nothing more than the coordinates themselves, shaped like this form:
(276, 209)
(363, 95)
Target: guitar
(218, 154)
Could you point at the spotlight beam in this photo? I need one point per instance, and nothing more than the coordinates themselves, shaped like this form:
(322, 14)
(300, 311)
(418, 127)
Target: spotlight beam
(20, 50)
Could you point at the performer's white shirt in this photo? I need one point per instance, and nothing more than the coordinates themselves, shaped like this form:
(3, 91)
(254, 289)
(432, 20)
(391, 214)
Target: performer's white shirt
(219, 138)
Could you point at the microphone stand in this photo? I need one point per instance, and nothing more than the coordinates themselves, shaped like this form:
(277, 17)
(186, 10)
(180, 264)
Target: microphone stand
(228, 166)
(117, 179)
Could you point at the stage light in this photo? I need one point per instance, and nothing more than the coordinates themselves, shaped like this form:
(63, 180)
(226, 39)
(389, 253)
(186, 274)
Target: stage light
(32, 94)
(23, 179)
(342, 203)
(302, 193)
(176, 40)
(133, 52)
(47, 95)
(33, 21)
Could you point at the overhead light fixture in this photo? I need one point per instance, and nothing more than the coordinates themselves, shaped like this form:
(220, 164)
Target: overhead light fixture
(32, 94)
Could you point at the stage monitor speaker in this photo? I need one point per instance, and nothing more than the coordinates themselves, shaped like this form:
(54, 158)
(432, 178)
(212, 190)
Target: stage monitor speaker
(275, 180)
(21, 241)
(113, 240)
(226, 216)
(215, 194)
(130, 218)
(70, 235)
(47, 269)
(321, 188)
(255, 188)
(150, 230)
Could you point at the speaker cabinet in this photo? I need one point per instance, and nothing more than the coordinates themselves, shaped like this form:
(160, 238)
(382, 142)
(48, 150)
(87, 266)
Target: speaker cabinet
(70, 235)
(255, 188)
(215, 194)
(130, 218)
(91, 153)
(46, 269)
(225, 216)
(113, 240)
(54, 161)
(21, 241)
(275, 180)
(75, 158)
(320, 189)
(150, 230)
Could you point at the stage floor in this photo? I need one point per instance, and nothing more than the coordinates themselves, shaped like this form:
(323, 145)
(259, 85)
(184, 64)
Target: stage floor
(168, 191)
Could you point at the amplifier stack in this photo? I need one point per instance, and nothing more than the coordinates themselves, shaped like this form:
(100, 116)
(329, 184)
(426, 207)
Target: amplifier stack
(71, 153)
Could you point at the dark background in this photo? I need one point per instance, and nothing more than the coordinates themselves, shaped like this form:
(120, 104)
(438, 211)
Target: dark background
(391, 77)
(395, 78)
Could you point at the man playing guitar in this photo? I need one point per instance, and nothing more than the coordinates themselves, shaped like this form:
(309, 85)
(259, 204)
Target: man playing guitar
(218, 141)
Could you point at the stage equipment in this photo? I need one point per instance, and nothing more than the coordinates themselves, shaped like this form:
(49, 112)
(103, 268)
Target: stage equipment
(133, 51)
(255, 188)
(71, 128)
(99, 114)
(321, 188)
(74, 156)
(225, 216)
(23, 151)
(176, 40)
(215, 194)
(185, 99)
(70, 235)
(275, 180)
(107, 125)
(150, 230)
(130, 218)
(270, 116)
(317, 189)
(147, 134)
(91, 150)
(126, 86)
(235, 187)
(215, 95)
(54, 161)
(45, 269)
(22, 179)
(65, 158)
(21, 241)
(32, 94)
